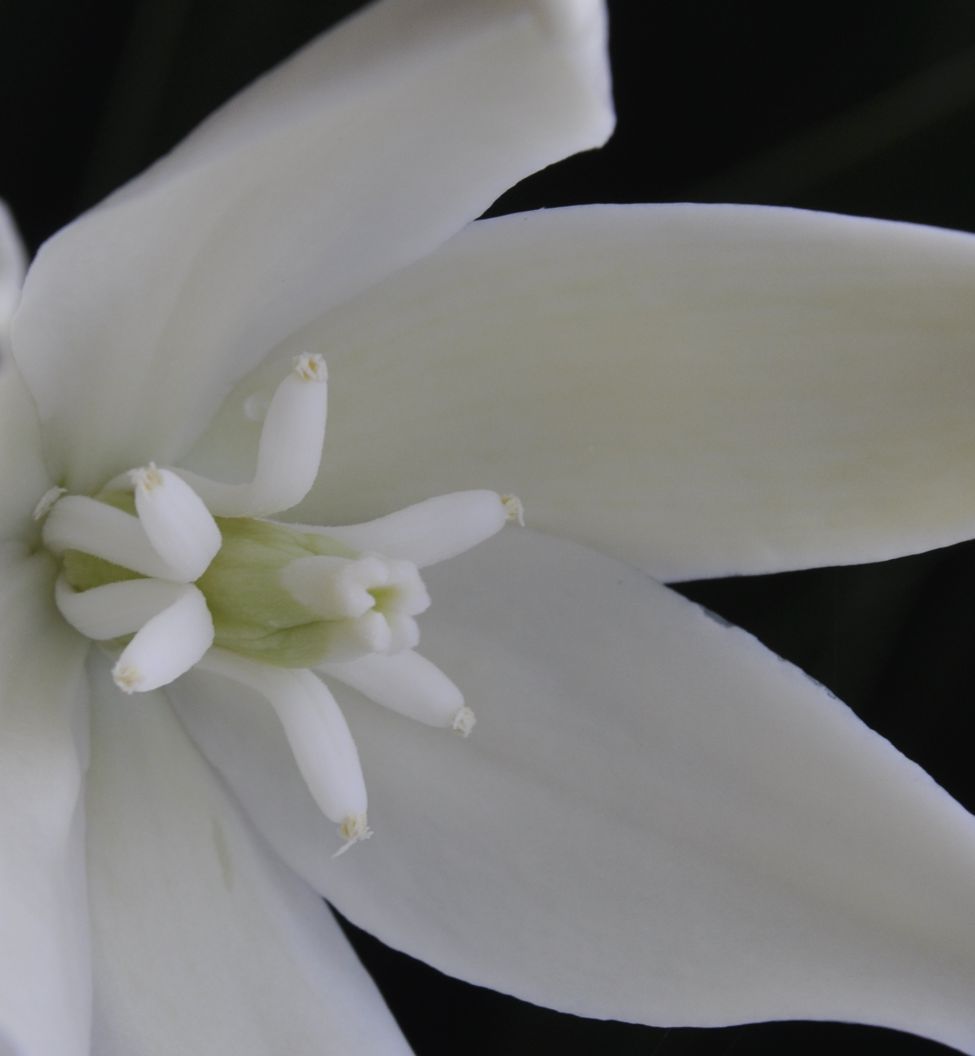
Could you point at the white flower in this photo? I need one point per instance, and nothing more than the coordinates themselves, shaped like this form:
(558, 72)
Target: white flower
(655, 819)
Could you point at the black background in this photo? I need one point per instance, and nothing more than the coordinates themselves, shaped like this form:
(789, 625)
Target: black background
(863, 107)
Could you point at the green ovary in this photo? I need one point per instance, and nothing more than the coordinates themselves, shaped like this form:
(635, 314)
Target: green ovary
(253, 615)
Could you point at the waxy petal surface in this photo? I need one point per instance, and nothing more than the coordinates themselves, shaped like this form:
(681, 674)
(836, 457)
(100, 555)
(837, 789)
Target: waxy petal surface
(700, 390)
(45, 978)
(12, 266)
(654, 820)
(365, 151)
(203, 942)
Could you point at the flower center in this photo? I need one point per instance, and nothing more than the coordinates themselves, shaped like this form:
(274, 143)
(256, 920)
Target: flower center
(168, 571)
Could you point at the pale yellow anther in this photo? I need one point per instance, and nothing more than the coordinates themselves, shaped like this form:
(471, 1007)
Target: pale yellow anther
(514, 509)
(464, 721)
(310, 366)
(146, 478)
(126, 677)
(354, 829)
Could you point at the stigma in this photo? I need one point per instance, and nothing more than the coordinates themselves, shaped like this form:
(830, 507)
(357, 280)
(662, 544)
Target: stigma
(169, 571)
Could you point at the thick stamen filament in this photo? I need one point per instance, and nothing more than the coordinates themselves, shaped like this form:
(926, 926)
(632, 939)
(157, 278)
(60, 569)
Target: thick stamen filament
(77, 522)
(290, 449)
(430, 531)
(167, 645)
(407, 683)
(317, 733)
(176, 522)
(115, 609)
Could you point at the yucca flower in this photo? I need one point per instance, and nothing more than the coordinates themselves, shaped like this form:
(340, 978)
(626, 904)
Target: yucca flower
(655, 820)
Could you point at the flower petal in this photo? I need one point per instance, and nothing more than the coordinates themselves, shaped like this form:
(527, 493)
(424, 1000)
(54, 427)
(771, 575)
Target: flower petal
(364, 152)
(655, 818)
(12, 266)
(701, 390)
(202, 942)
(23, 475)
(45, 980)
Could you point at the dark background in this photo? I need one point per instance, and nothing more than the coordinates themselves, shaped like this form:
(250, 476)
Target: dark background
(861, 107)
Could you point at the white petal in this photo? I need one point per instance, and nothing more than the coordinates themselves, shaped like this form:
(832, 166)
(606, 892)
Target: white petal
(656, 819)
(13, 263)
(45, 980)
(203, 944)
(699, 389)
(23, 475)
(364, 152)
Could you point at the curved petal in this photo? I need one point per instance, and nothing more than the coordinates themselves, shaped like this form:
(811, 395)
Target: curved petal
(655, 819)
(364, 152)
(45, 980)
(701, 390)
(13, 263)
(23, 476)
(203, 943)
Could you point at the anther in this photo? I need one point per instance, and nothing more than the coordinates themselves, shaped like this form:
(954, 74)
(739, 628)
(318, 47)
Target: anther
(514, 509)
(464, 721)
(354, 829)
(309, 366)
(146, 478)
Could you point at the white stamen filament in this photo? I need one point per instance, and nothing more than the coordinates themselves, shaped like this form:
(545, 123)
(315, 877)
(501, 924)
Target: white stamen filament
(77, 522)
(430, 531)
(316, 731)
(176, 522)
(406, 683)
(289, 453)
(115, 609)
(167, 645)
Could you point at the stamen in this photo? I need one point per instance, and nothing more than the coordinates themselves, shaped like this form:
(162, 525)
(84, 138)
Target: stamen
(176, 522)
(353, 830)
(290, 449)
(334, 588)
(115, 609)
(406, 683)
(316, 731)
(77, 522)
(430, 531)
(47, 501)
(167, 645)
